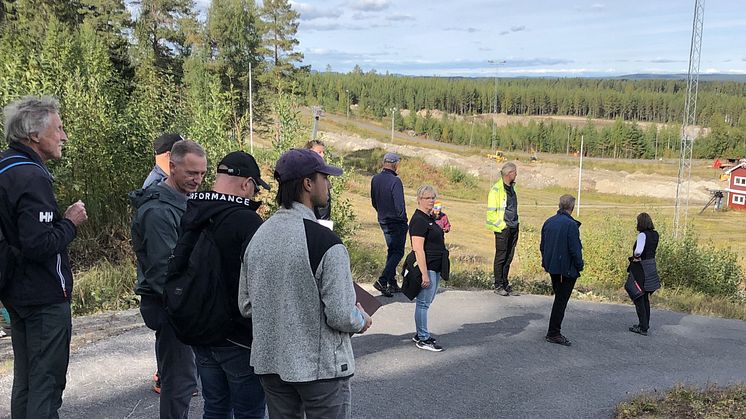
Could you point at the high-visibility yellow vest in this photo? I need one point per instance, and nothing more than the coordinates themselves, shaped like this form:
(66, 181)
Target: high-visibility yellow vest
(496, 202)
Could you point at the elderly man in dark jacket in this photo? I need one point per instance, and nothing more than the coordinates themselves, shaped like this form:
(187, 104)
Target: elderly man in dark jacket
(40, 282)
(562, 258)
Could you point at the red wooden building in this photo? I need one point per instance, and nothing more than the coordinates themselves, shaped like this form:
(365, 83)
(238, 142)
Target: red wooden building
(737, 186)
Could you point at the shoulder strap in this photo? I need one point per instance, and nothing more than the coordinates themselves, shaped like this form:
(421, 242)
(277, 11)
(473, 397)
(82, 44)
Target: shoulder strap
(7, 163)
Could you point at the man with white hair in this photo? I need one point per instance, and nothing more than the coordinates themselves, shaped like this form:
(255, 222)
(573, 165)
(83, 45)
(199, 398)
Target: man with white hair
(36, 270)
(502, 219)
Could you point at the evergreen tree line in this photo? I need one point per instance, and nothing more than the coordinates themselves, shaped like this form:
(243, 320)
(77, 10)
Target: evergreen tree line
(123, 81)
(720, 105)
(618, 140)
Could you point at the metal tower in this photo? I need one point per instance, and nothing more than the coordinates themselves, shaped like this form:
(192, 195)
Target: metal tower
(690, 116)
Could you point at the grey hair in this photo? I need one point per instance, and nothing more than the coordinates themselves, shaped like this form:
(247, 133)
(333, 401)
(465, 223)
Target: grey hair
(27, 116)
(426, 188)
(183, 147)
(507, 168)
(567, 203)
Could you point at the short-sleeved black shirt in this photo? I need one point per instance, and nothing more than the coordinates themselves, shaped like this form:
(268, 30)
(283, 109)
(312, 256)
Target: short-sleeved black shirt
(423, 225)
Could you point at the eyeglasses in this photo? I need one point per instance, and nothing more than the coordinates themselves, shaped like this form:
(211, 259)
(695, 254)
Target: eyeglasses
(256, 185)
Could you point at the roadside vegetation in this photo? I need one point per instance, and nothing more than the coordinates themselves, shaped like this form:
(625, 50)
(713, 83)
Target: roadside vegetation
(712, 402)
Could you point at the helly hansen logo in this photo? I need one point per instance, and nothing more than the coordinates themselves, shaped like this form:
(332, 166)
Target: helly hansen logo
(46, 216)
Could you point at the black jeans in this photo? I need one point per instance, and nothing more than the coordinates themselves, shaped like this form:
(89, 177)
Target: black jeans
(642, 305)
(562, 287)
(396, 237)
(326, 399)
(505, 242)
(175, 360)
(41, 353)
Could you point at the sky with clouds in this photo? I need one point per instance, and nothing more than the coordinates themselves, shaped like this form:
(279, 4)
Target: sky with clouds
(532, 37)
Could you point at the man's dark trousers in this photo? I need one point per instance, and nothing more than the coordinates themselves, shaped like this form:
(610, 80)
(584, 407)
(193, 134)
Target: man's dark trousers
(328, 399)
(176, 366)
(505, 242)
(41, 351)
(396, 237)
(562, 287)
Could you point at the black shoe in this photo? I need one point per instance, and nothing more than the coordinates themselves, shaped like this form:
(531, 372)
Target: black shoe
(429, 345)
(502, 291)
(384, 290)
(394, 288)
(559, 339)
(416, 338)
(636, 329)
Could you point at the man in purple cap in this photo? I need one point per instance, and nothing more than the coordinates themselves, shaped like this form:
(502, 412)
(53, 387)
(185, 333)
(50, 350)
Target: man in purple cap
(387, 197)
(297, 287)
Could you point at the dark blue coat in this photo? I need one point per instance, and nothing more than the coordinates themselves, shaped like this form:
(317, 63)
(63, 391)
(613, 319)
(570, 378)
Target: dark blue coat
(561, 250)
(387, 197)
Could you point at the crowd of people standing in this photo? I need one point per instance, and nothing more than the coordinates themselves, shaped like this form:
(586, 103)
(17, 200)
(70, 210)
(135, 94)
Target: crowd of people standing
(272, 333)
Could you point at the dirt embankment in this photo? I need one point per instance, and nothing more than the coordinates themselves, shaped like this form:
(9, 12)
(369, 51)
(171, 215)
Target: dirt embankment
(541, 174)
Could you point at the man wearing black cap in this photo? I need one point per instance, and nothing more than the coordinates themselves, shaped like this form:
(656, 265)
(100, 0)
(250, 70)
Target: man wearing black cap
(297, 287)
(387, 197)
(162, 147)
(229, 385)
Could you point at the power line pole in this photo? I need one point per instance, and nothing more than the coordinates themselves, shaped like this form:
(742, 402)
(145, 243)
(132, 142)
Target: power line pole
(393, 114)
(690, 117)
(494, 124)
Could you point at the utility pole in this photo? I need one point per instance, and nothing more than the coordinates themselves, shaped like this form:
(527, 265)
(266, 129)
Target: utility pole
(393, 115)
(251, 114)
(347, 96)
(317, 112)
(690, 118)
(580, 175)
(494, 124)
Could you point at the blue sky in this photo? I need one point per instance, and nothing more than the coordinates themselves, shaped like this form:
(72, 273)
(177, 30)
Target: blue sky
(533, 37)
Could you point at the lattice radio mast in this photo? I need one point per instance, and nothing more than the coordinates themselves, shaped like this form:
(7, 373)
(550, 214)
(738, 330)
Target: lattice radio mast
(690, 113)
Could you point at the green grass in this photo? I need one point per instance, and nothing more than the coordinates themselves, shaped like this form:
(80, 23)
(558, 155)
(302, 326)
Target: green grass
(105, 286)
(712, 402)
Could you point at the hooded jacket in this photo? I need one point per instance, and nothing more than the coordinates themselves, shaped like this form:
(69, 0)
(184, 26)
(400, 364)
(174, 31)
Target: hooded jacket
(236, 222)
(32, 222)
(155, 229)
(561, 249)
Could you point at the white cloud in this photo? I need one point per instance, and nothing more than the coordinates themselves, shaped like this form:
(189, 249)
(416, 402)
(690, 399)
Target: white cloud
(310, 12)
(399, 17)
(370, 5)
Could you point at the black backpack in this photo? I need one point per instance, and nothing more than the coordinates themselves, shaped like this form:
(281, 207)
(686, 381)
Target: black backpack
(194, 294)
(9, 254)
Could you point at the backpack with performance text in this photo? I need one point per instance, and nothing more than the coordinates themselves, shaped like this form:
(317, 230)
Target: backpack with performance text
(194, 293)
(9, 254)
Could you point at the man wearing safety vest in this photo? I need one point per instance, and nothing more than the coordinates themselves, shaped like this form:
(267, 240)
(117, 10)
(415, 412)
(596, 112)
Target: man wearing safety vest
(502, 219)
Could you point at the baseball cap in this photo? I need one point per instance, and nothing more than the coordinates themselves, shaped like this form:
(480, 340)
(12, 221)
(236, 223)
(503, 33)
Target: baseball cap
(243, 164)
(391, 158)
(302, 162)
(165, 142)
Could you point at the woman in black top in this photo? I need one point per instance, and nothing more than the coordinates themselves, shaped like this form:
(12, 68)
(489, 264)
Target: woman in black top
(429, 249)
(644, 270)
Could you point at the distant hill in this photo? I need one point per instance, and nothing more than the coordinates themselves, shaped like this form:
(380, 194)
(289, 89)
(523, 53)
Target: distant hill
(702, 77)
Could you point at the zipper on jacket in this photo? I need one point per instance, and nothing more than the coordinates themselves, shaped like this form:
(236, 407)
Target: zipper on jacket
(62, 277)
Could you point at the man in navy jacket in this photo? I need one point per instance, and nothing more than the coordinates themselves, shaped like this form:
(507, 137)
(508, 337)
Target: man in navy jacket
(562, 258)
(387, 197)
(37, 292)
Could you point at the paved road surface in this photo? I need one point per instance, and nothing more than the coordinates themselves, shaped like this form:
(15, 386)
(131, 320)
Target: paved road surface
(496, 363)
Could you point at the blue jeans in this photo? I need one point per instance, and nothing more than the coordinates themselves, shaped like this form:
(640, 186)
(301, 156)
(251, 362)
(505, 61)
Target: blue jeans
(229, 384)
(424, 299)
(396, 238)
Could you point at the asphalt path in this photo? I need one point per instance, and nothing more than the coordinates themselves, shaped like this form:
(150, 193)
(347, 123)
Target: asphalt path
(496, 362)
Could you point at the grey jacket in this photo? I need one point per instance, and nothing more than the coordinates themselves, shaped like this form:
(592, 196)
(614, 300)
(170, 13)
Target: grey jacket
(296, 285)
(155, 229)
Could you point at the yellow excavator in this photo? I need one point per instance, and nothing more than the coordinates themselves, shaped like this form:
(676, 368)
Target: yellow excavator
(498, 156)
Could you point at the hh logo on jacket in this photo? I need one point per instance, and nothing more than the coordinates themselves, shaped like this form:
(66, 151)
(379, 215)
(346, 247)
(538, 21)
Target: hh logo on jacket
(46, 216)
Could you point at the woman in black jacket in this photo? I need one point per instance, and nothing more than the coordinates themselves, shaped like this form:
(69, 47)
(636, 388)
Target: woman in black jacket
(644, 270)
